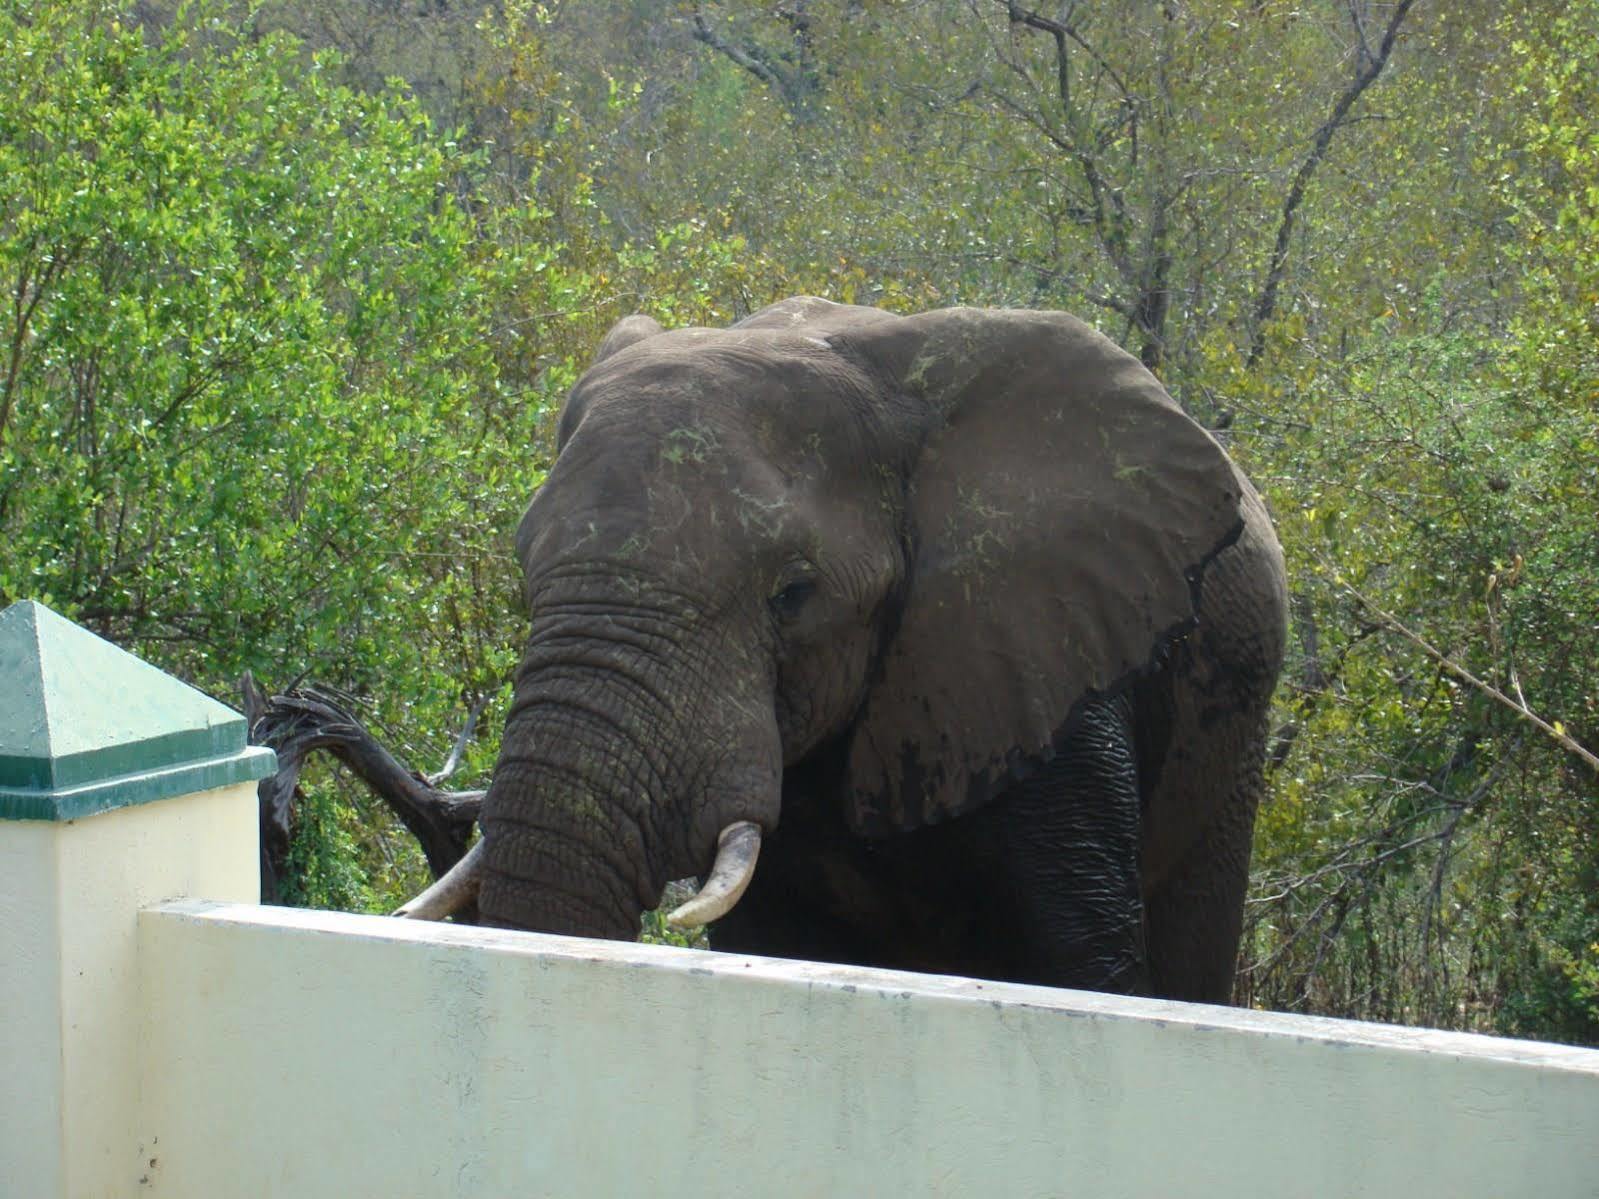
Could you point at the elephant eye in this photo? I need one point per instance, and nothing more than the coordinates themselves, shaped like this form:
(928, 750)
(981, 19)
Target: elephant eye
(788, 602)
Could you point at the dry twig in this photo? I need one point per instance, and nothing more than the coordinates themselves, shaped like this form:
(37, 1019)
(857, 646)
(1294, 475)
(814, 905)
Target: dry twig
(1555, 730)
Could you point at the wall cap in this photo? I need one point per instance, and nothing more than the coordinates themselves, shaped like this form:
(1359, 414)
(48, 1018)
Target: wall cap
(86, 727)
(736, 969)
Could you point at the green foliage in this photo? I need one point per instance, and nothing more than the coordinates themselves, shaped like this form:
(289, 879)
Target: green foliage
(1391, 804)
(250, 412)
(658, 932)
(1428, 855)
(244, 314)
(324, 871)
(1556, 198)
(279, 353)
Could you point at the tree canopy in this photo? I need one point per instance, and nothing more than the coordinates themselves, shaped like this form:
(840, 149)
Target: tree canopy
(291, 291)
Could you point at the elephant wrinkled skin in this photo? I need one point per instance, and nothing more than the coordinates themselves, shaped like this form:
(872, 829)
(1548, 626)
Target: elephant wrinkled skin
(959, 610)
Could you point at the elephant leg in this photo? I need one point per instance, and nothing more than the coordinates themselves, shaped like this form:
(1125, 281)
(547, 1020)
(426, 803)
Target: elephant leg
(1070, 838)
(1196, 908)
(1196, 916)
(936, 900)
(780, 916)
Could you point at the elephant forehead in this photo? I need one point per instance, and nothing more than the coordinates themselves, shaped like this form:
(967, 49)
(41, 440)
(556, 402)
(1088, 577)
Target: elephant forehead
(691, 499)
(770, 387)
(727, 416)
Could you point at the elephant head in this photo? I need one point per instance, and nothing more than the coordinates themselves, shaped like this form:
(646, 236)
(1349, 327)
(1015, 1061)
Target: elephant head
(907, 546)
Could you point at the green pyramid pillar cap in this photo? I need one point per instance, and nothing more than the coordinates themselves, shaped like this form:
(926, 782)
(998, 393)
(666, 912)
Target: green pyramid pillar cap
(86, 727)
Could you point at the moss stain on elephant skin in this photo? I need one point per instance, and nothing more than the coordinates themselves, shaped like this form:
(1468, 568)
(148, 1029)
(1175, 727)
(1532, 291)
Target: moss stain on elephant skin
(697, 444)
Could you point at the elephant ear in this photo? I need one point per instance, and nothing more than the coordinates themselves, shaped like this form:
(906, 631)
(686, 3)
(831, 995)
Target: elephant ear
(626, 332)
(1060, 511)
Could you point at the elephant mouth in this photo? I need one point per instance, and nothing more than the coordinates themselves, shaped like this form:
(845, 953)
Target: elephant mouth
(737, 850)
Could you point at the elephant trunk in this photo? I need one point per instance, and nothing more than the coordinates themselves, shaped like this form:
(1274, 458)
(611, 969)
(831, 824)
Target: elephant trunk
(566, 836)
(610, 784)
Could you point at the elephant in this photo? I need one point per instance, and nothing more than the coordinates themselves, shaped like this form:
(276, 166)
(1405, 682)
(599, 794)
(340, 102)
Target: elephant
(940, 642)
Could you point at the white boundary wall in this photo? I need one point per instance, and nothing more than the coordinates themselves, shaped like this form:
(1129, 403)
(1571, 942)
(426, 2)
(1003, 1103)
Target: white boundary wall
(307, 1054)
(70, 894)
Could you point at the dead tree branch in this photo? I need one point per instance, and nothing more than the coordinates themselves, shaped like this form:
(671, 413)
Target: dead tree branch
(459, 748)
(1145, 268)
(313, 718)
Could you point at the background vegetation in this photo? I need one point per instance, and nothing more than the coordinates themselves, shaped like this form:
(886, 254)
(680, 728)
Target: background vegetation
(288, 293)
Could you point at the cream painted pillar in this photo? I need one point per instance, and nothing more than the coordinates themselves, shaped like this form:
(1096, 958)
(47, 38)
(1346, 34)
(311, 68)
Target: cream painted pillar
(120, 787)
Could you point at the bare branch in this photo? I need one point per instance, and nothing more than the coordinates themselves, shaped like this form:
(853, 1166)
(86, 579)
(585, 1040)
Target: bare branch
(459, 748)
(1108, 223)
(1358, 19)
(756, 66)
(1554, 731)
(318, 718)
(1372, 67)
(1112, 303)
(794, 86)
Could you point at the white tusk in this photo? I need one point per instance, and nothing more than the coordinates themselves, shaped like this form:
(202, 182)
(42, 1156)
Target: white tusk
(736, 851)
(448, 895)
